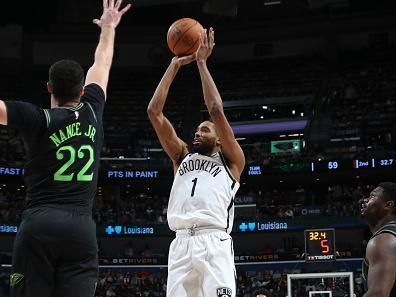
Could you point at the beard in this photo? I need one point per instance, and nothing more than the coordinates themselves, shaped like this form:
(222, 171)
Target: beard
(204, 148)
(371, 215)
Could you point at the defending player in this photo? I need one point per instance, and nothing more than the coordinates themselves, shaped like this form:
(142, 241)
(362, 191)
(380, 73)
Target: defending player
(379, 266)
(55, 250)
(200, 210)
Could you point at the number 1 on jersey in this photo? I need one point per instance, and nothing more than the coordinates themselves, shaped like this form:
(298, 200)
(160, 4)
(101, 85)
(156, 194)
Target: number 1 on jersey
(193, 188)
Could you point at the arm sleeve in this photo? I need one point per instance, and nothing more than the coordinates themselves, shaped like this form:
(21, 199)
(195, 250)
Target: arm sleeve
(25, 117)
(94, 95)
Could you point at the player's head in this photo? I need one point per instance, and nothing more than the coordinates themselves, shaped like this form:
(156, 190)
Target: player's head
(66, 81)
(262, 293)
(206, 141)
(380, 203)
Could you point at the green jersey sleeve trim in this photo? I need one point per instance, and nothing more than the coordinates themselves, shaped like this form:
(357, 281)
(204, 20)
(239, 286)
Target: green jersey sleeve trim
(93, 112)
(47, 117)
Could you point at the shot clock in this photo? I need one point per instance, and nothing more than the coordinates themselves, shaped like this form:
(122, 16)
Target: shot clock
(319, 245)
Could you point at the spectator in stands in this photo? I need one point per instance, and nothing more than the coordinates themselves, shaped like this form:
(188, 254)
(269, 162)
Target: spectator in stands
(129, 249)
(147, 251)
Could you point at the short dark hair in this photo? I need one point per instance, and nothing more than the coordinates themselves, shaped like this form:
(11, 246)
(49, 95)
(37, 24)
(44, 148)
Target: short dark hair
(389, 192)
(262, 292)
(67, 79)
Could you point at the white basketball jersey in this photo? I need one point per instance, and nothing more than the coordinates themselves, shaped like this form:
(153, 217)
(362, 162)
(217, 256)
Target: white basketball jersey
(202, 194)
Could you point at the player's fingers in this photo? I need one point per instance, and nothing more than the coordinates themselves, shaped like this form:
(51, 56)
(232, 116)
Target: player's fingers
(125, 9)
(200, 39)
(96, 21)
(211, 37)
(117, 4)
(111, 4)
(105, 4)
(190, 58)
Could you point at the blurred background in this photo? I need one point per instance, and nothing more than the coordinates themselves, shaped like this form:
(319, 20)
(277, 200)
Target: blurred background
(309, 87)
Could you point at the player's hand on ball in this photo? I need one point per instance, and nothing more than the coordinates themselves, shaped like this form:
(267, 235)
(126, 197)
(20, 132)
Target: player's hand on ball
(206, 44)
(111, 13)
(180, 61)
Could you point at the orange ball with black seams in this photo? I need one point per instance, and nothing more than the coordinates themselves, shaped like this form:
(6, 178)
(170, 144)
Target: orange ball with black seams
(183, 36)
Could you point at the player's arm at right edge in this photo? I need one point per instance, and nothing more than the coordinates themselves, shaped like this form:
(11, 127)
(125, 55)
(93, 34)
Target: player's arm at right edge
(229, 145)
(174, 147)
(3, 113)
(381, 255)
(100, 70)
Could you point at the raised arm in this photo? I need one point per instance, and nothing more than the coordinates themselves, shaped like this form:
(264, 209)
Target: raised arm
(99, 71)
(230, 147)
(381, 255)
(171, 143)
(3, 113)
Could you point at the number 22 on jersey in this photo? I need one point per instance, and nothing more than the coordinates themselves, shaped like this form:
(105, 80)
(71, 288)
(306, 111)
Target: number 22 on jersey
(82, 174)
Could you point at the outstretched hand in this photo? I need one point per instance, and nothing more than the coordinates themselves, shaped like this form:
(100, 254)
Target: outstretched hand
(206, 44)
(111, 13)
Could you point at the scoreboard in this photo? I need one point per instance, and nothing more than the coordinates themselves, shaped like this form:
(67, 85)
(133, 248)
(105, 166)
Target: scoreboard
(322, 166)
(339, 165)
(319, 245)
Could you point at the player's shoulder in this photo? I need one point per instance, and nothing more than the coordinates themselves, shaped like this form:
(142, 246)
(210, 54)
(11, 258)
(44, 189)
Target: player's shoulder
(184, 156)
(386, 229)
(93, 91)
(95, 97)
(382, 244)
(94, 86)
(23, 107)
(24, 115)
(23, 104)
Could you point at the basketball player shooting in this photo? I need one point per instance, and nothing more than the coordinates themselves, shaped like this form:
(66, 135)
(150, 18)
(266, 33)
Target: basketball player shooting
(200, 210)
(55, 250)
(379, 265)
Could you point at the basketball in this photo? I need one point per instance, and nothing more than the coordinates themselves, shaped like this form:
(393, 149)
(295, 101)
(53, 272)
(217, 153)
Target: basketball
(183, 36)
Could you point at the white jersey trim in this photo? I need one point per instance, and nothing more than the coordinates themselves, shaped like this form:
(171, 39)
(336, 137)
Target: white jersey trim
(234, 181)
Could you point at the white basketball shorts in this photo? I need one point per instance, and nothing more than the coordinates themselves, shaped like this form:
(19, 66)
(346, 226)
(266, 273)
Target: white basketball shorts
(201, 264)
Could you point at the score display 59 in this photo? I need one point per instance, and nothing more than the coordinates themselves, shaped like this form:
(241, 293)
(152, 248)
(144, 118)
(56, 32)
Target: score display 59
(338, 165)
(319, 245)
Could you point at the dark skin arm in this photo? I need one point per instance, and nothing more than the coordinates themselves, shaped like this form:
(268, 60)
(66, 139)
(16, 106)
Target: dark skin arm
(229, 146)
(171, 143)
(381, 255)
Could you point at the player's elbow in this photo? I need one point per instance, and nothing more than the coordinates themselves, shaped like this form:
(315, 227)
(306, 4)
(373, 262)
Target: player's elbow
(152, 112)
